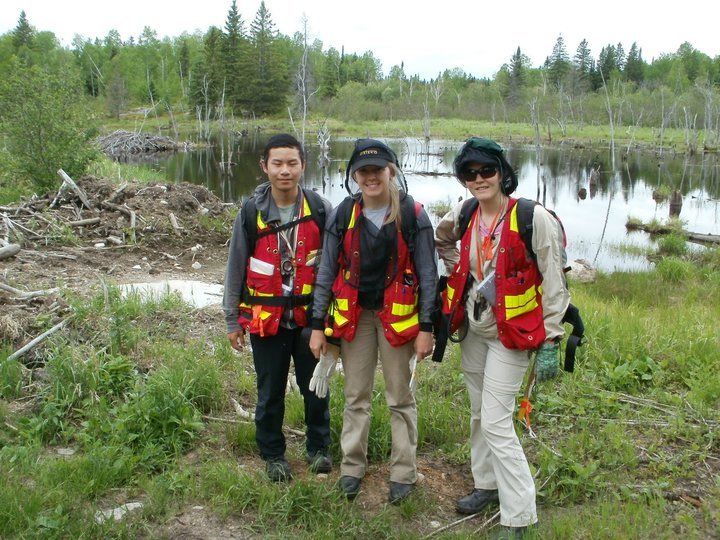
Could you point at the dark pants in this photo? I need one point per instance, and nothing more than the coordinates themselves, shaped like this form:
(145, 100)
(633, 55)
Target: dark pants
(271, 356)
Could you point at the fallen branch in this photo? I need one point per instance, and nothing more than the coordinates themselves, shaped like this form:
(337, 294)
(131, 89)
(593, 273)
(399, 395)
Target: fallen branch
(67, 181)
(22, 295)
(83, 222)
(37, 340)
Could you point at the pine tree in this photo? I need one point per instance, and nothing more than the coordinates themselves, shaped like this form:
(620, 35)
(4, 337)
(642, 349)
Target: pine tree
(23, 37)
(634, 65)
(518, 64)
(235, 79)
(268, 77)
(559, 64)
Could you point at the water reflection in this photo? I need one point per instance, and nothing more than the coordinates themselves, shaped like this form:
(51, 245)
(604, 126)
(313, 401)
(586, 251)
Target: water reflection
(593, 194)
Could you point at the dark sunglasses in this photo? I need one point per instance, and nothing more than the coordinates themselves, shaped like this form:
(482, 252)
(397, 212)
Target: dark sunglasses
(470, 175)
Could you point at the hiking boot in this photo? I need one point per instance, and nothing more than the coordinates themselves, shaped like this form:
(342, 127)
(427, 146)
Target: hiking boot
(319, 462)
(350, 486)
(278, 469)
(511, 533)
(399, 492)
(476, 501)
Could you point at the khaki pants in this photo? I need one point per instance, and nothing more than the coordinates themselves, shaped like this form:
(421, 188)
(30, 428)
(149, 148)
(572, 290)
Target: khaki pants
(493, 376)
(359, 359)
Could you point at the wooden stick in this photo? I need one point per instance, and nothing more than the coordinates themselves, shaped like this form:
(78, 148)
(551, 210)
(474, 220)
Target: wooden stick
(22, 295)
(174, 222)
(83, 222)
(79, 192)
(34, 342)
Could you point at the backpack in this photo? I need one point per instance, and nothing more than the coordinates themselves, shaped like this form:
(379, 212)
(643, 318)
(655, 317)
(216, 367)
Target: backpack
(525, 211)
(317, 212)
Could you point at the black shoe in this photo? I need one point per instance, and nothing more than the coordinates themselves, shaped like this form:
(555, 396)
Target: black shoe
(278, 469)
(476, 501)
(399, 492)
(319, 462)
(511, 533)
(350, 486)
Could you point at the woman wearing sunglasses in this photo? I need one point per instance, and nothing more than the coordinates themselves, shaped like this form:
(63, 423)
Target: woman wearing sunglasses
(504, 302)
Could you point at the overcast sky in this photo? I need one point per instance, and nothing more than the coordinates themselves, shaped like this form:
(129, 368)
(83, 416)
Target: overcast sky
(428, 36)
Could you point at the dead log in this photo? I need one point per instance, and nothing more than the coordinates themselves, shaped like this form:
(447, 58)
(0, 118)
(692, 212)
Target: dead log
(22, 295)
(9, 251)
(69, 182)
(664, 229)
(37, 340)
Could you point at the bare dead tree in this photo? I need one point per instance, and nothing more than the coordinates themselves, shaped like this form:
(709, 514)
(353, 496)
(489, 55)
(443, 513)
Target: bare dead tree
(302, 81)
(437, 88)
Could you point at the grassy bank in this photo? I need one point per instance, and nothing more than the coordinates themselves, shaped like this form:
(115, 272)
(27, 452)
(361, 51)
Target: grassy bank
(132, 402)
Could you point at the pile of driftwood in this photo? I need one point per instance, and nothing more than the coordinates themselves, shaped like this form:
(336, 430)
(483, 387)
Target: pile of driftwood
(119, 145)
(29, 221)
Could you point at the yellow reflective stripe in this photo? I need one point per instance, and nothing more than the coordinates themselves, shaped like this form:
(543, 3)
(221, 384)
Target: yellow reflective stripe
(450, 293)
(260, 223)
(403, 310)
(401, 326)
(307, 289)
(352, 219)
(521, 303)
(306, 207)
(514, 219)
(342, 304)
(340, 320)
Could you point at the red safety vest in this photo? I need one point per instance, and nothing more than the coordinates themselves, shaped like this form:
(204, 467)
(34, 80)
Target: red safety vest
(399, 313)
(518, 287)
(265, 319)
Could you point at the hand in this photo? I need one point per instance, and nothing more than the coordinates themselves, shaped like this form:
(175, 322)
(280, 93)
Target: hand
(318, 343)
(237, 339)
(423, 345)
(546, 362)
(319, 382)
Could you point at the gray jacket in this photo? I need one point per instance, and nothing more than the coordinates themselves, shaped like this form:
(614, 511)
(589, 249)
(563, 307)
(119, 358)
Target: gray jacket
(238, 251)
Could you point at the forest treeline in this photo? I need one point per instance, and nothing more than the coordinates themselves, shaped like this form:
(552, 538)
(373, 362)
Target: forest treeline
(245, 69)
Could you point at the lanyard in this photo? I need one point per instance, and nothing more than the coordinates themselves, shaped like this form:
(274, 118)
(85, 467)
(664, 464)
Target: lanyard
(486, 253)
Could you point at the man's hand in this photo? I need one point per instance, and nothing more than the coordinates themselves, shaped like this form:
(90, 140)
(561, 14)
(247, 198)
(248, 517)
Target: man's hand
(546, 362)
(237, 339)
(318, 343)
(423, 345)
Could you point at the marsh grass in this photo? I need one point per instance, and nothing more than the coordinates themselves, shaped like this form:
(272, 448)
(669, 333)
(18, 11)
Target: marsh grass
(617, 443)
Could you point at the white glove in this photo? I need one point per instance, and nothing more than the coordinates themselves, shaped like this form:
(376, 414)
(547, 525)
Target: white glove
(323, 371)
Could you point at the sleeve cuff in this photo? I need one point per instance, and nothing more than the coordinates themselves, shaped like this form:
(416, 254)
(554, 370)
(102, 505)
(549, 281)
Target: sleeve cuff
(317, 324)
(426, 327)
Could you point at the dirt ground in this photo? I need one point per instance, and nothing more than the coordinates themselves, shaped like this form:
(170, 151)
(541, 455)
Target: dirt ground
(56, 252)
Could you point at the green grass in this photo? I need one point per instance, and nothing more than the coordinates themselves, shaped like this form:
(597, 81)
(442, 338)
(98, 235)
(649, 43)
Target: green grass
(618, 443)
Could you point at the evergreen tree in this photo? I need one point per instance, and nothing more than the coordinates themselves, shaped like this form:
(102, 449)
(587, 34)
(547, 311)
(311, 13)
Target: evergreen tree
(330, 74)
(235, 79)
(583, 67)
(517, 76)
(619, 56)
(634, 65)
(23, 34)
(607, 63)
(206, 85)
(559, 63)
(268, 69)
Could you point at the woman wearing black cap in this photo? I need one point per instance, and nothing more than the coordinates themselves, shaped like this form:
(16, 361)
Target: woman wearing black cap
(375, 291)
(507, 303)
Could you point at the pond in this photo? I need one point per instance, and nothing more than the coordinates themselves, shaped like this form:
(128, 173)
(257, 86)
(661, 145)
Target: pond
(594, 206)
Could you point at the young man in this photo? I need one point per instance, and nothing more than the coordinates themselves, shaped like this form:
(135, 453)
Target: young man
(274, 253)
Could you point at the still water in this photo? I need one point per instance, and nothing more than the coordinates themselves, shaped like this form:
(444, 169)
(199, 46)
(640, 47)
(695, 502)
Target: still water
(594, 206)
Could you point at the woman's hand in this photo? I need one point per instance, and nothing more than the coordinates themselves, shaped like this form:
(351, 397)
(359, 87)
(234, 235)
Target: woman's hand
(423, 345)
(318, 343)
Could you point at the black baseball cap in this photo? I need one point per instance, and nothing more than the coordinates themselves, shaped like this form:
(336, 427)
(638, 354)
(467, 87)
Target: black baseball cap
(371, 152)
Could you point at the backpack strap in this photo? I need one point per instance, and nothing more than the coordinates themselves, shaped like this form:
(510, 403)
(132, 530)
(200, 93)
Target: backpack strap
(525, 213)
(317, 213)
(466, 214)
(409, 210)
